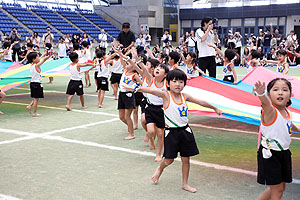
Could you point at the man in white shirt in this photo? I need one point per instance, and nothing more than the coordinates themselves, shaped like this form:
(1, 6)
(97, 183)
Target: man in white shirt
(166, 39)
(207, 54)
(103, 40)
(147, 38)
(48, 37)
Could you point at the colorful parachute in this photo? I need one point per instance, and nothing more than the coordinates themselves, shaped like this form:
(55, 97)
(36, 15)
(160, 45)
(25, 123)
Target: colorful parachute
(237, 101)
(14, 74)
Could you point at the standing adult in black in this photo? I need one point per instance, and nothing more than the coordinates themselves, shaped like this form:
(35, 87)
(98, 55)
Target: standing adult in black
(207, 55)
(14, 36)
(126, 38)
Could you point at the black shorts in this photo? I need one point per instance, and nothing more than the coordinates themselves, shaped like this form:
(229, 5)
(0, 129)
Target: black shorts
(126, 100)
(140, 100)
(95, 75)
(155, 114)
(75, 86)
(102, 83)
(179, 140)
(115, 78)
(229, 78)
(276, 169)
(36, 90)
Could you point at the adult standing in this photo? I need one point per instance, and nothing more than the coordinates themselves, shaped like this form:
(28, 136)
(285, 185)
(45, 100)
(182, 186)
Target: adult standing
(205, 35)
(267, 42)
(238, 42)
(35, 38)
(277, 36)
(147, 38)
(14, 36)
(102, 40)
(126, 38)
(48, 37)
(167, 39)
(192, 42)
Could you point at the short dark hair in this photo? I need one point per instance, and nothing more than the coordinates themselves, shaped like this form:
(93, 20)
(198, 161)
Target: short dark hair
(85, 44)
(48, 27)
(6, 45)
(126, 25)
(255, 54)
(48, 46)
(205, 20)
(100, 54)
(154, 63)
(272, 83)
(281, 52)
(31, 56)
(76, 46)
(164, 66)
(30, 45)
(176, 74)
(175, 56)
(229, 54)
(73, 56)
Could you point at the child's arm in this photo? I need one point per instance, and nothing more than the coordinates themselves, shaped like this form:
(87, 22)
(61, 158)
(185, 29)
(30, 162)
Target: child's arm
(138, 79)
(158, 93)
(199, 70)
(295, 128)
(86, 64)
(268, 110)
(217, 49)
(150, 53)
(139, 70)
(42, 61)
(202, 103)
(286, 68)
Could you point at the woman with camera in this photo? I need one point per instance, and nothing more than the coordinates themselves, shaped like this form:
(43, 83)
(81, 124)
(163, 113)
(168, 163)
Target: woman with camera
(35, 38)
(15, 38)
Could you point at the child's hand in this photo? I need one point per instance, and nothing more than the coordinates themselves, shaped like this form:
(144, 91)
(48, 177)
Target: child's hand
(234, 82)
(259, 88)
(128, 88)
(218, 111)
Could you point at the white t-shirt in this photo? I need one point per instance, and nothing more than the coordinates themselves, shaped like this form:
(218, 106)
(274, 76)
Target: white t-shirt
(191, 41)
(62, 50)
(164, 38)
(204, 50)
(103, 40)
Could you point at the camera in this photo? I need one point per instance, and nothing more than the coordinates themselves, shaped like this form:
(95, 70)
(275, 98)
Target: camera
(215, 23)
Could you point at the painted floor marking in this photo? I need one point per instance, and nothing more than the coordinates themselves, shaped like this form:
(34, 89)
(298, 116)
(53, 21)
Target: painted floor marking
(58, 108)
(6, 197)
(146, 153)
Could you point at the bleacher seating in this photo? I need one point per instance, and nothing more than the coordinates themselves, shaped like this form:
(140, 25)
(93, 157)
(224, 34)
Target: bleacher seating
(37, 25)
(30, 20)
(6, 24)
(55, 20)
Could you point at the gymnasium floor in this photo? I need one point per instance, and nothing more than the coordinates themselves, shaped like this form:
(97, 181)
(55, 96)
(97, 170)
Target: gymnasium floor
(82, 155)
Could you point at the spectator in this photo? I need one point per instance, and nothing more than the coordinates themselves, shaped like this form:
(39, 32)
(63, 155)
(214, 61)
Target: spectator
(277, 36)
(35, 38)
(291, 57)
(167, 39)
(102, 40)
(272, 54)
(192, 42)
(231, 43)
(292, 38)
(126, 38)
(147, 38)
(76, 38)
(238, 42)
(15, 37)
(85, 37)
(205, 35)
(273, 43)
(140, 44)
(260, 39)
(245, 56)
(48, 37)
(266, 42)
(62, 48)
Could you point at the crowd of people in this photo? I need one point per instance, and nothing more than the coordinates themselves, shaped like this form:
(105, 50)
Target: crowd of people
(153, 80)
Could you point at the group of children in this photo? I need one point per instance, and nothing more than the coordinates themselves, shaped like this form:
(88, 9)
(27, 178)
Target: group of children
(156, 86)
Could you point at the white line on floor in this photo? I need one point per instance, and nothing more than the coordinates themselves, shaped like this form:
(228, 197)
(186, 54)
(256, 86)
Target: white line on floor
(6, 197)
(146, 153)
(58, 108)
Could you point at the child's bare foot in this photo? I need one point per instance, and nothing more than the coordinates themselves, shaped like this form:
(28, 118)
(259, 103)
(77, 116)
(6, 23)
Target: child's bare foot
(129, 137)
(84, 107)
(90, 84)
(49, 83)
(116, 98)
(158, 158)
(189, 188)
(156, 175)
(100, 106)
(135, 127)
(1, 113)
(146, 138)
(152, 146)
(68, 108)
(36, 115)
(29, 109)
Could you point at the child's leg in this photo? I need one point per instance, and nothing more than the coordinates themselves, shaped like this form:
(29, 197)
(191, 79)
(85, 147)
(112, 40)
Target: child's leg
(2, 96)
(160, 143)
(129, 124)
(136, 118)
(150, 134)
(101, 98)
(115, 87)
(96, 85)
(35, 105)
(69, 102)
(122, 116)
(87, 79)
(82, 102)
(185, 174)
(143, 121)
(29, 107)
(273, 192)
(165, 163)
